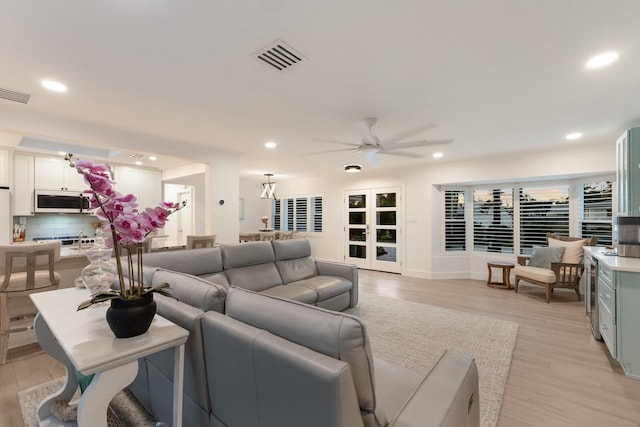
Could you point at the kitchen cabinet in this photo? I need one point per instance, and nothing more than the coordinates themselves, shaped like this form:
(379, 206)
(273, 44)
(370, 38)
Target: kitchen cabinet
(4, 168)
(618, 302)
(628, 172)
(52, 173)
(23, 185)
(145, 184)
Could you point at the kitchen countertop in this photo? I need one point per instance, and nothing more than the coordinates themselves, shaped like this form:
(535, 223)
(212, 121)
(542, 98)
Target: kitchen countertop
(616, 263)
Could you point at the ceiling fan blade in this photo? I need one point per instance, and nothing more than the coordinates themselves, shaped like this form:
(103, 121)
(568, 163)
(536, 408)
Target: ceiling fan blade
(332, 141)
(420, 143)
(401, 153)
(406, 134)
(354, 149)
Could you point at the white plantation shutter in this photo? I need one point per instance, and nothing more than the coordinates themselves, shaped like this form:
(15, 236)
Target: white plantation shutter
(301, 214)
(543, 209)
(493, 220)
(275, 213)
(596, 211)
(316, 214)
(455, 221)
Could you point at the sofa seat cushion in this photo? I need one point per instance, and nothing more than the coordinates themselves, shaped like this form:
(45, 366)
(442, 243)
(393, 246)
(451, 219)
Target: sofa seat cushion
(295, 293)
(255, 277)
(325, 286)
(539, 274)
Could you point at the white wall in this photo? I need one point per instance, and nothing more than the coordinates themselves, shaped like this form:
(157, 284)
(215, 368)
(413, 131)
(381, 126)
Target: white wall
(254, 207)
(421, 202)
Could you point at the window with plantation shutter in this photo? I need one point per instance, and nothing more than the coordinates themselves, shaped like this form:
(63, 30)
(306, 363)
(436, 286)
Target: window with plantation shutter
(543, 210)
(316, 214)
(596, 211)
(455, 221)
(275, 213)
(301, 214)
(493, 220)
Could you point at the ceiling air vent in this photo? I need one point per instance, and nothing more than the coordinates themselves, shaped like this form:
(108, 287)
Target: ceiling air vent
(136, 156)
(279, 55)
(14, 95)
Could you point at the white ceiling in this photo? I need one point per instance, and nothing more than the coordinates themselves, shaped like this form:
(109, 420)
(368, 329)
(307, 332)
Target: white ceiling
(180, 79)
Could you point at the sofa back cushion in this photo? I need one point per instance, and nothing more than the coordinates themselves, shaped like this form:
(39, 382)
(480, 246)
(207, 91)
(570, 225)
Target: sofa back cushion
(290, 249)
(245, 254)
(255, 277)
(192, 290)
(334, 334)
(293, 259)
(194, 261)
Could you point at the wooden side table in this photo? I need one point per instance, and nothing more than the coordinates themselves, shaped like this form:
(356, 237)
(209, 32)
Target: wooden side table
(506, 271)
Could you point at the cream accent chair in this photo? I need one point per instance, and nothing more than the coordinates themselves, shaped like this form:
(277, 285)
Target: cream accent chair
(28, 268)
(205, 241)
(563, 274)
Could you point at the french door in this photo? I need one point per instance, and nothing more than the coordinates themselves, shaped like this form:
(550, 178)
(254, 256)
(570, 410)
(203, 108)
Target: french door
(372, 228)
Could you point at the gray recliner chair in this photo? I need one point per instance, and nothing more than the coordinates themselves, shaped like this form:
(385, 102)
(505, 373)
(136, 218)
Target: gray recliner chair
(276, 362)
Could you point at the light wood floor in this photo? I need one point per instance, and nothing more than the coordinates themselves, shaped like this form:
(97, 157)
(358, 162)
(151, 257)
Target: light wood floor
(560, 375)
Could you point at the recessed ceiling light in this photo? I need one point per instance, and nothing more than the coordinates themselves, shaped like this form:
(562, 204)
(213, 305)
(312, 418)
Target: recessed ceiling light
(138, 162)
(573, 136)
(438, 155)
(153, 158)
(352, 168)
(270, 144)
(54, 86)
(62, 153)
(602, 60)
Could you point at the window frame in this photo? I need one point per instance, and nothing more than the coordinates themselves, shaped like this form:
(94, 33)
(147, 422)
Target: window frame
(576, 209)
(297, 213)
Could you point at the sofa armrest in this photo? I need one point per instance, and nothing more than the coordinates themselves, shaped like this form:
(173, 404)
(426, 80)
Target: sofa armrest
(447, 397)
(341, 269)
(523, 259)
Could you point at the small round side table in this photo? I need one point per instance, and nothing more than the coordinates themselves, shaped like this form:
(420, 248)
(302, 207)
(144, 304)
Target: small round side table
(506, 271)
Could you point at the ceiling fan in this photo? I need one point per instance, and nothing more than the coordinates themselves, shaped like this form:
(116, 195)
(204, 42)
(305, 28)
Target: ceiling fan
(371, 145)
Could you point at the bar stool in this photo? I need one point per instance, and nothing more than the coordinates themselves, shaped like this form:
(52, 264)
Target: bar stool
(28, 268)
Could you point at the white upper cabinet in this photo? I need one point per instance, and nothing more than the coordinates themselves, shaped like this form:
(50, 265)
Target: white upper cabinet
(145, 184)
(53, 173)
(4, 168)
(23, 185)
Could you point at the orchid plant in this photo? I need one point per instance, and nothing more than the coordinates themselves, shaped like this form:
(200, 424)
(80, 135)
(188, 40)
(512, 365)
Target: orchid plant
(126, 227)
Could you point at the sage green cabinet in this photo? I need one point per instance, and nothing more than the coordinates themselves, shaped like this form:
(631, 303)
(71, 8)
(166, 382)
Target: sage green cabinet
(628, 172)
(628, 322)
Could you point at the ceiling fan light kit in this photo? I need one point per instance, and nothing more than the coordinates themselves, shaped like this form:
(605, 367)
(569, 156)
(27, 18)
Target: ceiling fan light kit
(352, 168)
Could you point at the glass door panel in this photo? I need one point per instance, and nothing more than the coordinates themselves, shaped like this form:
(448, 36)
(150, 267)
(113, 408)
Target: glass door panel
(372, 230)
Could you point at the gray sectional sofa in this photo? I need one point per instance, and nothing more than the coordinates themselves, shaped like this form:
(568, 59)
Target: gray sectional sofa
(283, 268)
(256, 358)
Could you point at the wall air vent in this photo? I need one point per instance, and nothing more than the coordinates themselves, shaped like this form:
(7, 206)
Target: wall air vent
(14, 95)
(279, 55)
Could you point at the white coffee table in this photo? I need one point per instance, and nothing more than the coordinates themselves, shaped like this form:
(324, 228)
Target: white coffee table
(82, 341)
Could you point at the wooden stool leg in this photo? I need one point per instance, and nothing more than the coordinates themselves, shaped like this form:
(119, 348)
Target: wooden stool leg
(4, 328)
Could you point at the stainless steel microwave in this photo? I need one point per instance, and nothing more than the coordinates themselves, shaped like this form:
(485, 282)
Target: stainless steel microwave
(47, 201)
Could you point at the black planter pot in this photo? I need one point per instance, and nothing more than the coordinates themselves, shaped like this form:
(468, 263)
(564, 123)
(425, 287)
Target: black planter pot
(130, 318)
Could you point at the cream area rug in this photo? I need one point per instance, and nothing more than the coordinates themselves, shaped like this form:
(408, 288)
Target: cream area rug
(124, 410)
(415, 336)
